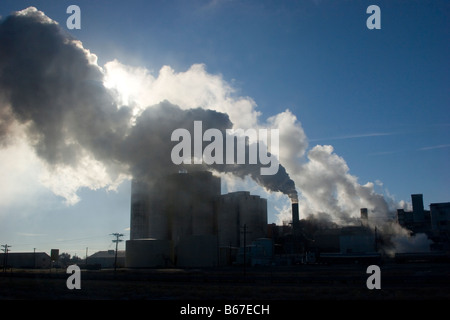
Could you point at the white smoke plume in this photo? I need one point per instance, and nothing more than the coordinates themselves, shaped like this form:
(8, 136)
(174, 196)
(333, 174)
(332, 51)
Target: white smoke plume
(93, 126)
(71, 110)
(416, 243)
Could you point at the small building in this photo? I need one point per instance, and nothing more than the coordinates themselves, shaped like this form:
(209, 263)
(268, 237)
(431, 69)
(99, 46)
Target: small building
(106, 259)
(32, 260)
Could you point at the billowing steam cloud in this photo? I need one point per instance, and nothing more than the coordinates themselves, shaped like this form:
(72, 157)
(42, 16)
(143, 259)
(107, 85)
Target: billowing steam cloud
(95, 126)
(53, 88)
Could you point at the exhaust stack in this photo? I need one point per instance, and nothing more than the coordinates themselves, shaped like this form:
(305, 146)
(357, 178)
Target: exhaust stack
(295, 219)
(364, 217)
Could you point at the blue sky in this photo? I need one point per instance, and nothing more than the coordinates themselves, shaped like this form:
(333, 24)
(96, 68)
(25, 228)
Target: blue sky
(379, 97)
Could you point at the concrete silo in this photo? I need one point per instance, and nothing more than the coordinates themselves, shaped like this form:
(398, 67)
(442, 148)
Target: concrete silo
(236, 209)
(190, 203)
(177, 211)
(139, 210)
(148, 218)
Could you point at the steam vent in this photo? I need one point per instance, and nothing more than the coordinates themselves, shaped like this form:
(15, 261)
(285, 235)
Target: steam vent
(184, 221)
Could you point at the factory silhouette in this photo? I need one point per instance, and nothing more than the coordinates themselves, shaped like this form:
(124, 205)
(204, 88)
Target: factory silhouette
(181, 220)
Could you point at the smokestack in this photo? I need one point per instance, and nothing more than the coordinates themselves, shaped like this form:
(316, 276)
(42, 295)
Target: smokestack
(364, 217)
(295, 219)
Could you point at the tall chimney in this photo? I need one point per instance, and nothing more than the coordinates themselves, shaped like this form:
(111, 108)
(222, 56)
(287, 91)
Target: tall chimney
(364, 216)
(295, 219)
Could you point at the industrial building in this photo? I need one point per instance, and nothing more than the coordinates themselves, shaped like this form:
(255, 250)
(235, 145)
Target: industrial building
(309, 241)
(106, 259)
(440, 217)
(418, 220)
(357, 239)
(435, 223)
(183, 220)
(34, 260)
(236, 210)
(440, 226)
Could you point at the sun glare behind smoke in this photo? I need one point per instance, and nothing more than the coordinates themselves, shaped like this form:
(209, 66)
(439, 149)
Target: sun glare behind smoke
(118, 81)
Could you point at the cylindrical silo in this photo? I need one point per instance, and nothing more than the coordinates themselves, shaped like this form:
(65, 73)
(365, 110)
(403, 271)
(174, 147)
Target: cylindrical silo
(138, 211)
(148, 216)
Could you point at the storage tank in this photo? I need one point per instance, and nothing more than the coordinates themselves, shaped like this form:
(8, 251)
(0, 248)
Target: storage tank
(148, 216)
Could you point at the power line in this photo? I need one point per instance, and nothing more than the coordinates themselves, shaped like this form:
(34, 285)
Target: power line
(61, 241)
(58, 241)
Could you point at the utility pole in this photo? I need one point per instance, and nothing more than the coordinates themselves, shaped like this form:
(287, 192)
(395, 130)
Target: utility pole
(5, 257)
(117, 240)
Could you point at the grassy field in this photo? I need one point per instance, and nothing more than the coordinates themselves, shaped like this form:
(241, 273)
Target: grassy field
(419, 281)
